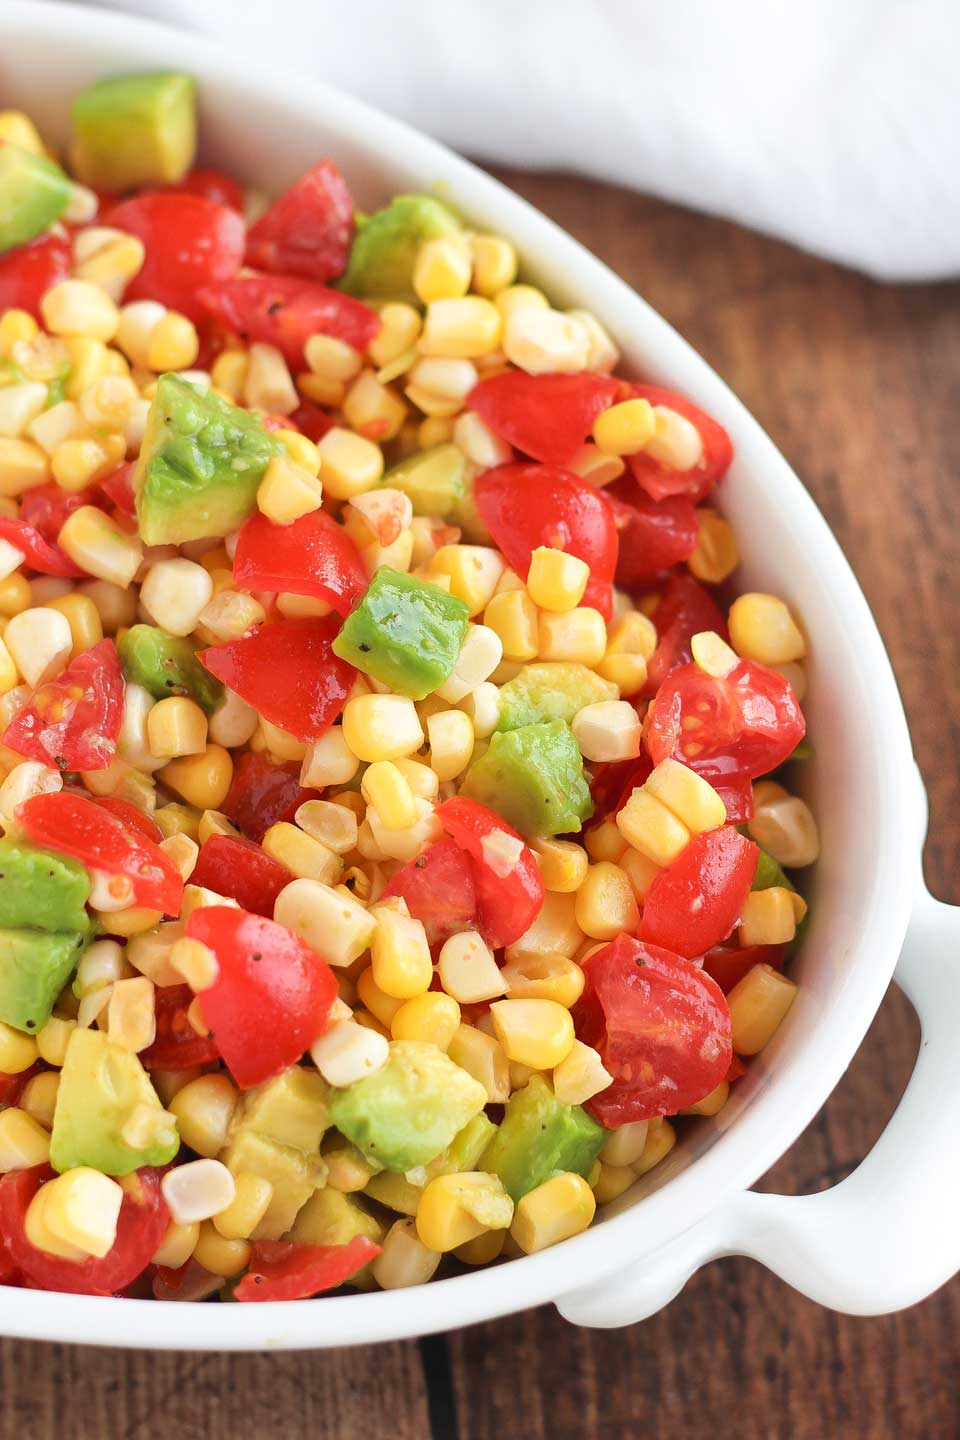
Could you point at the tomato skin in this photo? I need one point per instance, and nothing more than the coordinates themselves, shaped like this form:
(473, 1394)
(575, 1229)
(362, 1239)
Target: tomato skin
(118, 488)
(657, 479)
(190, 242)
(140, 1228)
(661, 1026)
(684, 609)
(439, 890)
(727, 964)
(507, 905)
(524, 506)
(653, 534)
(694, 903)
(46, 507)
(313, 556)
(11, 1086)
(283, 1270)
(40, 555)
(288, 672)
(85, 737)
(177, 1045)
(260, 794)
(547, 417)
(240, 869)
(285, 310)
(137, 820)
(211, 184)
(312, 421)
(272, 995)
(308, 230)
(27, 272)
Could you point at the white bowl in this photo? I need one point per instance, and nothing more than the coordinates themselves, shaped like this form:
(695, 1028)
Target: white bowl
(883, 1238)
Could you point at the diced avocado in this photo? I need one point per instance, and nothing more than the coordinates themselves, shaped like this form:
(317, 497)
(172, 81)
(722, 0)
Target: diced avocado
(465, 1148)
(34, 967)
(291, 1109)
(550, 690)
(332, 1218)
(539, 1137)
(405, 633)
(385, 247)
(439, 483)
(40, 889)
(166, 665)
(101, 1086)
(200, 464)
(293, 1174)
(410, 1109)
(769, 873)
(33, 193)
(533, 777)
(394, 1191)
(135, 130)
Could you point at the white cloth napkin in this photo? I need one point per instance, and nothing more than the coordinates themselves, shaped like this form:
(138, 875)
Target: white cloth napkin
(834, 124)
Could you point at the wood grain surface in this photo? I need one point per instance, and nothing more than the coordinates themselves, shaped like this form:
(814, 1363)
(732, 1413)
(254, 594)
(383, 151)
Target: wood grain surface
(859, 385)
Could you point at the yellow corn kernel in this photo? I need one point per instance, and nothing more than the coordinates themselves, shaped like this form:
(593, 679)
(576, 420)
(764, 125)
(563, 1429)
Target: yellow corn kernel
(483, 1250)
(194, 962)
(177, 1244)
(483, 1057)
(578, 635)
(542, 341)
(18, 129)
(229, 373)
(332, 359)
(400, 326)
(386, 788)
(247, 1208)
(624, 429)
(204, 1109)
(15, 595)
(633, 634)
(22, 466)
(98, 546)
(347, 1170)
(173, 343)
(182, 853)
(592, 465)
(350, 464)
(367, 1022)
(712, 654)
(580, 1075)
(461, 328)
(563, 864)
(39, 1097)
(784, 826)
(556, 1210)
(711, 1104)
(331, 822)
(9, 674)
(303, 856)
(626, 1144)
(372, 409)
(758, 1003)
(716, 555)
(330, 761)
(441, 270)
(627, 672)
(219, 1255)
(451, 740)
(381, 1005)
(556, 581)
(80, 1208)
(23, 1141)
(768, 917)
(281, 744)
(604, 841)
(538, 1033)
(494, 264)
(107, 258)
(544, 977)
(178, 820)
(613, 1181)
(287, 491)
(83, 618)
(691, 798)
(17, 1051)
(554, 931)
(79, 308)
(512, 616)
(202, 780)
(648, 826)
(400, 955)
(53, 1038)
(176, 726)
(640, 871)
(432, 1017)
(762, 628)
(434, 430)
(606, 906)
(16, 326)
(268, 385)
(381, 727)
(133, 921)
(457, 1208)
(81, 462)
(520, 297)
(474, 572)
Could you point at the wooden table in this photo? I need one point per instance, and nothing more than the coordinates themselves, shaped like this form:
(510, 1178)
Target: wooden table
(859, 386)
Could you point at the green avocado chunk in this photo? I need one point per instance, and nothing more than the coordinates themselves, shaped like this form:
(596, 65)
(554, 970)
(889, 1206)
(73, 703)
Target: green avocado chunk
(40, 889)
(200, 464)
(533, 777)
(550, 690)
(385, 247)
(769, 873)
(410, 1109)
(135, 130)
(405, 633)
(439, 483)
(539, 1137)
(166, 665)
(101, 1085)
(34, 967)
(291, 1109)
(332, 1218)
(33, 193)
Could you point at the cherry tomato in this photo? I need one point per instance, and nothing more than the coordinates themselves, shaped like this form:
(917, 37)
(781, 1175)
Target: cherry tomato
(136, 820)
(613, 784)
(288, 672)
(272, 995)
(660, 480)
(141, 1225)
(177, 1045)
(190, 242)
(662, 1029)
(727, 964)
(211, 184)
(308, 230)
(509, 890)
(74, 825)
(547, 417)
(312, 421)
(27, 272)
(46, 507)
(11, 1086)
(118, 488)
(524, 506)
(694, 903)
(73, 722)
(684, 609)
(262, 793)
(39, 554)
(282, 1270)
(313, 556)
(653, 534)
(439, 890)
(285, 310)
(240, 869)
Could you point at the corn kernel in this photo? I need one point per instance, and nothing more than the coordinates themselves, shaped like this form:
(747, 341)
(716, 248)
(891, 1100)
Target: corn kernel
(608, 731)
(176, 726)
(400, 326)
(762, 628)
(83, 618)
(135, 326)
(202, 780)
(483, 1057)
(228, 372)
(280, 743)
(578, 635)
(204, 1109)
(40, 642)
(650, 827)
(474, 571)
(79, 308)
(592, 465)
(20, 404)
(441, 270)
(330, 761)
(78, 1211)
(468, 970)
(716, 555)
(712, 1103)
(177, 1245)
(768, 917)
(39, 1097)
(451, 740)
(18, 129)
(381, 727)
(386, 788)
(784, 826)
(602, 354)
(53, 1039)
(494, 264)
(461, 328)
(197, 1190)
(554, 931)
(432, 1017)
(404, 1259)
(372, 409)
(173, 343)
(400, 953)
(676, 441)
(457, 1208)
(268, 385)
(98, 546)
(556, 1210)
(247, 1208)
(556, 581)
(23, 1141)
(606, 905)
(303, 856)
(15, 595)
(712, 654)
(691, 798)
(512, 616)
(17, 1051)
(350, 1050)
(758, 1003)
(108, 258)
(544, 977)
(534, 1032)
(625, 429)
(542, 341)
(23, 465)
(350, 464)
(612, 1182)
(15, 326)
(288, 491)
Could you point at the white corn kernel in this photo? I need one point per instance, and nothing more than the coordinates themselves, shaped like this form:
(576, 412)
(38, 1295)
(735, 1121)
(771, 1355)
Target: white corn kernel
(100, 547)
(24, 781)
(330, 920)
(347, 1052)
(541, 341)
(268, 385)
(676, 441)
(136, 324)
(20, 405)
(174, 593)
(468, 970)
(786, 828)
(329, 761)
(478, 442)
(131, 1014)
(603, 354)
(580, 1075)
(76, 307)
(482, 705)
(608, 731)
(233, 723)
(480, 654)
(197, 1190)
(40, 642)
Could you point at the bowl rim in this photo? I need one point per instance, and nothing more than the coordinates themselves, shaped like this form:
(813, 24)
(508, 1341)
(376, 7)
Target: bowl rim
(757, 1138)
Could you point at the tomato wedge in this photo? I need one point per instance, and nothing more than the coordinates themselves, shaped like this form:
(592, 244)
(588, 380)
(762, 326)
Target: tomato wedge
(262, 793)
(439, 890)
(73, 722)
(272, 995)
(312, 421)
(46, 507)
(684, 609)
(288, 672)
(659, 480)
(662, 1029)
(211, 184)
(27, 272)
(136, 820)
(727, 964)
(38, 554)
(285, 310)
(547, 417)
(118, 488)
(313, 556)
(74, 825)
(282, 1270)
(240, 869)
(190, 242)
(653, 534)
(308, 230)
(694, 903)
(507, 881)
(177, 1045)
(524, 506)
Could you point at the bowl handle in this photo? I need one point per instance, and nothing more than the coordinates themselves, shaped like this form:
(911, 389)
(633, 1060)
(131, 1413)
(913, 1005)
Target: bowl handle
(886, 1236)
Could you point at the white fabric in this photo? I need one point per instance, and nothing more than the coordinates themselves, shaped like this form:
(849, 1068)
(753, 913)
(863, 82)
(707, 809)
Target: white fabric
(832, 123)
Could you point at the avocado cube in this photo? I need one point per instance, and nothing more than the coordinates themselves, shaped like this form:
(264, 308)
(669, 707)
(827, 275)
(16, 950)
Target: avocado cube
(769, 873)
(34, 967)
(33, 193)
(293, 1174)
(533, 777)
(42, 890)
(386, 245)
(135, 130)
(410, 1109)
(331, 1218)
(436, 481)
(551, 690)
(200, 464)
(465, 1149)
(394, 1191)
(166, 665)
(405, 633)
(101, 1085)
(539, 1137)
(291, 1109)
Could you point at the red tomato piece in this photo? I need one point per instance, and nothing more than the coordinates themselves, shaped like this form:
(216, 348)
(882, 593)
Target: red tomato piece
(684, 609)
(658, 479)
(46, 507)
(240, 869)
(118, 488)
(177, 1045)
(288, 672)
(73, 722)
(261, 793)
(694, 903)
(282, 1270)
(614, 783)
(136, 820)
(74, 825)
(308, 230)
(738, 1068)
(211, 184)
(313, 556)
(39, 554)
(312, 421)
(141, 1225)
(190, 242)
(524, 506)
(662, 1029)
(439, 890)
(509, 894)
(27, 272)
(653, 534)
(272, 995)
(285, 310)
(727, 964)
(11, 1086)
(547, 417)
